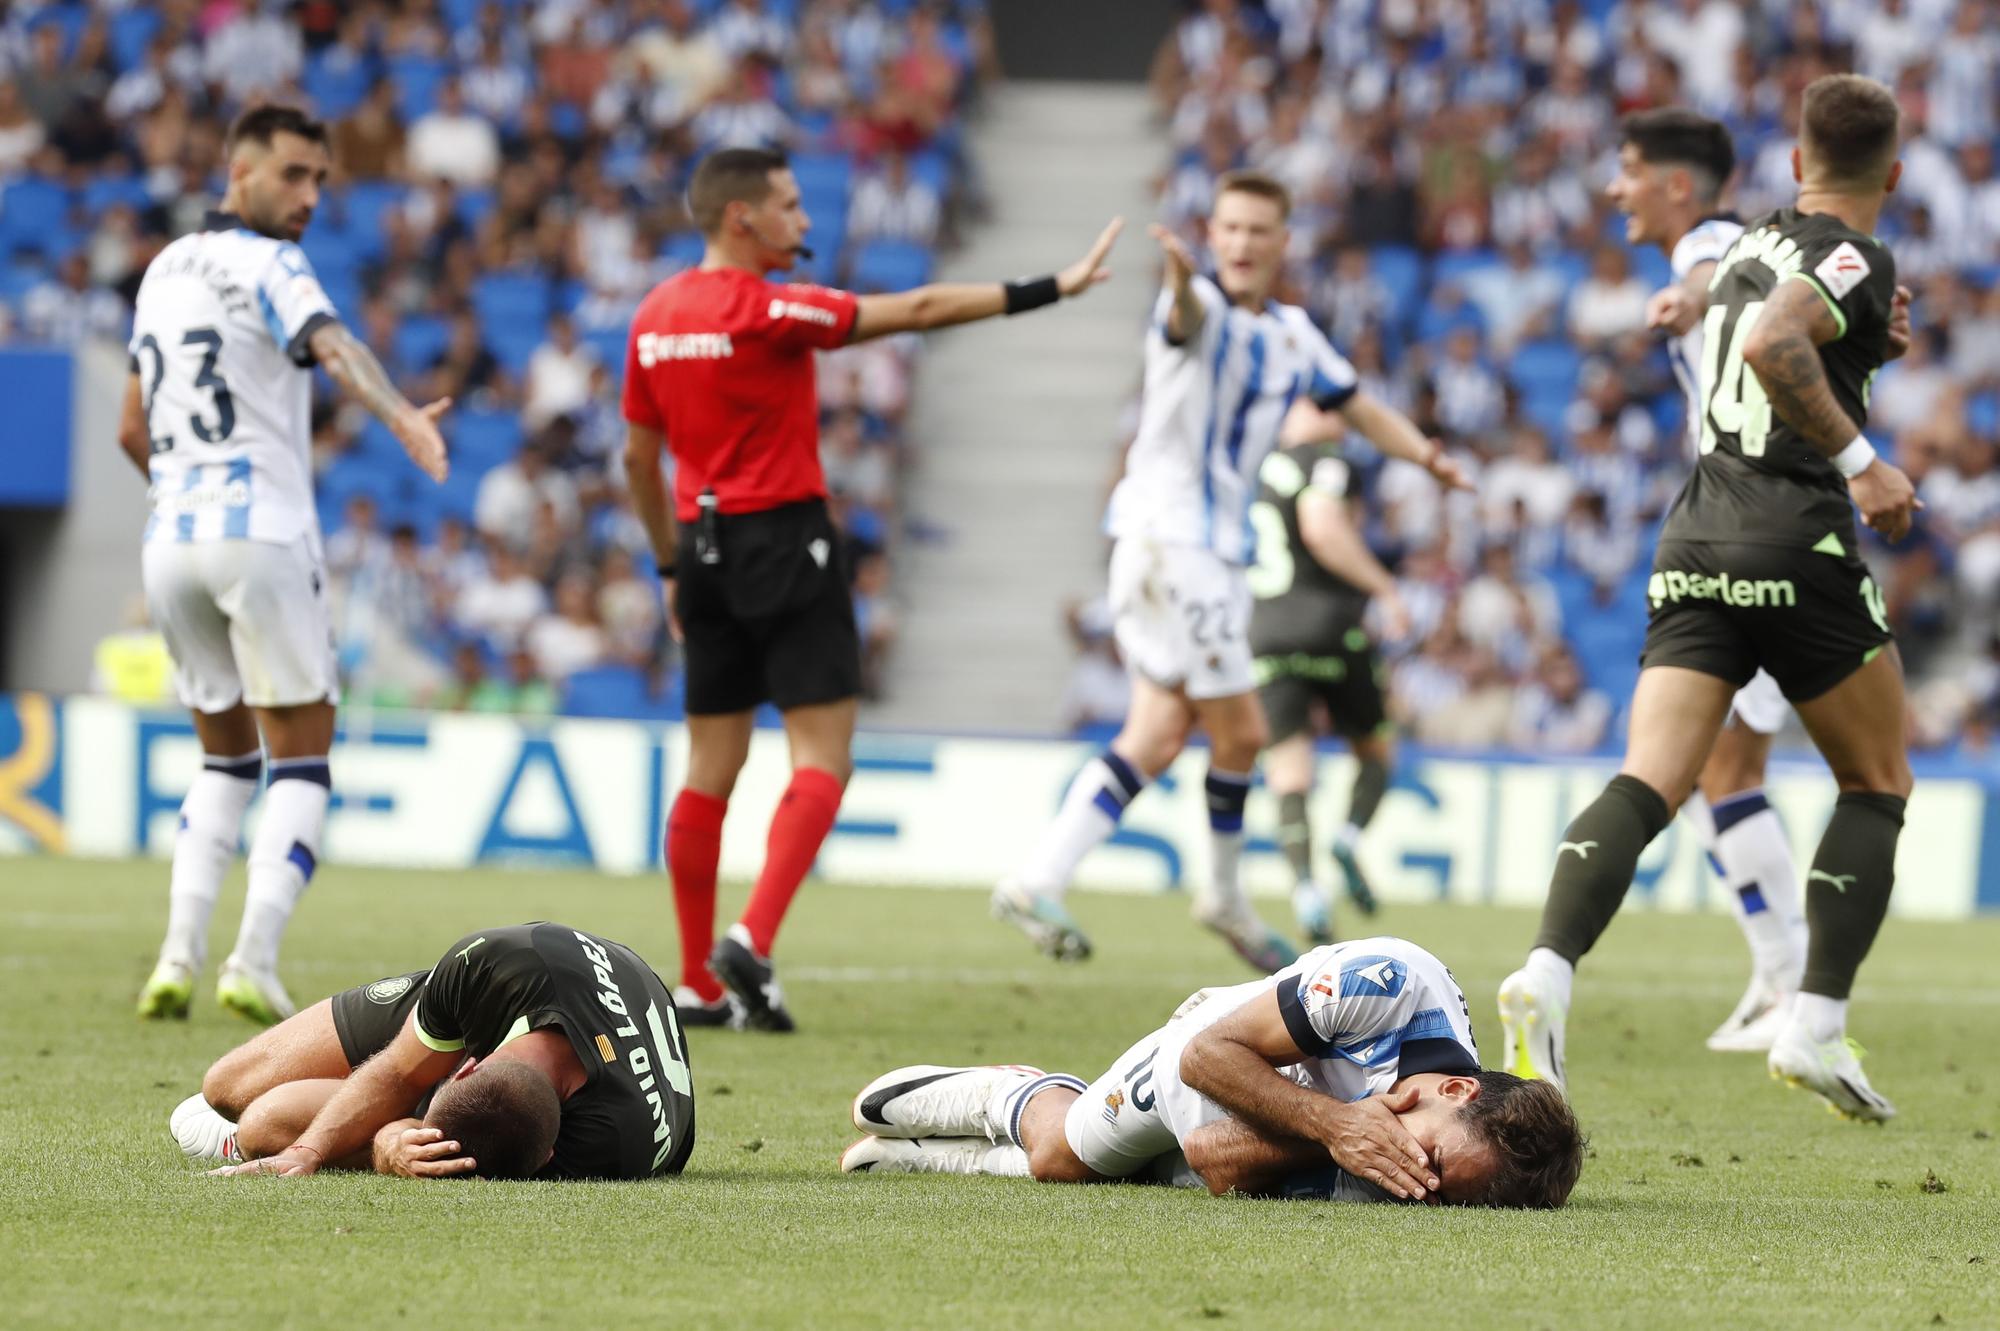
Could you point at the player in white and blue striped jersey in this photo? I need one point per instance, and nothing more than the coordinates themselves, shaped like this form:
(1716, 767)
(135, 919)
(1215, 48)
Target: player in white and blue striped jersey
(228, 324)
(1351, 1073)
(1225, 364)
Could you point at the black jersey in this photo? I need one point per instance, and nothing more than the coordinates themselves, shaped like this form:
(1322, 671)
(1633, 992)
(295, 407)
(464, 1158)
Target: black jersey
(1301, 607)
(634, 1117)
(1758, 480)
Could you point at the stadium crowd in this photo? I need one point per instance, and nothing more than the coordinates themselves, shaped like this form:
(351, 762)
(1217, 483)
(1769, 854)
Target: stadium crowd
(1448, 160)
(508, 182)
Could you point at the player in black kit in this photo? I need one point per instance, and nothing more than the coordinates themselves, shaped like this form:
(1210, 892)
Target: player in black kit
(1759, 566)
(527, 1050)
(1313, 580)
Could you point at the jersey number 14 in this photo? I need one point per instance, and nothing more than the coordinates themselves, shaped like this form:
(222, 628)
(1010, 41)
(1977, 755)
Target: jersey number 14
(1733, 394)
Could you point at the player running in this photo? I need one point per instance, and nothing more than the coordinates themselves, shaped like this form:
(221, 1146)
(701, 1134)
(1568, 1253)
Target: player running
(1351, 1073)
(1759, 566)
(229, 323)
(1224, 364)
(1313, 580)
(720, 370)
(532, 1050)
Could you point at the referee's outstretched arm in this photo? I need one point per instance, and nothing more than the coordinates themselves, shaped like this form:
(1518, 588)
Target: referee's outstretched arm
(942, 304)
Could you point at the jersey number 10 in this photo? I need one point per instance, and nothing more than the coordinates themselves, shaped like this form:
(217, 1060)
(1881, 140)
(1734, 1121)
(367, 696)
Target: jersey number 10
(1736, 404)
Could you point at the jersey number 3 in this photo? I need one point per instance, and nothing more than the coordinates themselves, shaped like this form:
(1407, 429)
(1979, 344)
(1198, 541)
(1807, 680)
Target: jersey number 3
(1736, 404)
(225, 406)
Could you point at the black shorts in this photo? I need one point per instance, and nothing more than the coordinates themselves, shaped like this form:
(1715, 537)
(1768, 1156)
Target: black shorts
(367, 1017)
(1348, 680)
(1810, 617)
(773, 621)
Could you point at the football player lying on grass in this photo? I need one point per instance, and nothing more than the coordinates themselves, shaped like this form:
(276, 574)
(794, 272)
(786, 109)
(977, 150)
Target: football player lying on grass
(533, 1050)
(1351, 1074)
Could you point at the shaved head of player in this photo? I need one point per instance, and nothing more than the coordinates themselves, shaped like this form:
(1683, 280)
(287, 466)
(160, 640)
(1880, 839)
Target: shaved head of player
(278, 162)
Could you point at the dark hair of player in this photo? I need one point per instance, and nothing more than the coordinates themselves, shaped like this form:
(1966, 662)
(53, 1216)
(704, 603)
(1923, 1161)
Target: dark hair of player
(504, 1115)
(1673, 136)
(1535, 1135)
(733, 175)
(1260, 185)
(261, 124)
(1848, 130)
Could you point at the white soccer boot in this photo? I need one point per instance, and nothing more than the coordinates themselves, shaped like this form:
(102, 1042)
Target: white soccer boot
(935, 1155)
(1830, 1069)
(1261, 947)
(1758, 1018)
(1532, 1018)
(202, 1134)
(256, 995)
(927, 1100)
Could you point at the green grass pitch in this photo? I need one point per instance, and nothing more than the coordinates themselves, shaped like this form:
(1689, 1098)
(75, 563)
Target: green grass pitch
(1713, 1198)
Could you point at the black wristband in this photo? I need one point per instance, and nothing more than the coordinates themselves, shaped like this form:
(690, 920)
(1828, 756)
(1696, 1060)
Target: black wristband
(1031, 293)
(668, 572)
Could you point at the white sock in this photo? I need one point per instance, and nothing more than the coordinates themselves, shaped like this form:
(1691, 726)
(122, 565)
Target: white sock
(1552, 969)
(1089, 815)
(1348, 837)
(283, 855)
(211, 824)
(1005, 1162)
(1228, 793)
(1824, 1018)
(1010, 1100)
(1763, 883)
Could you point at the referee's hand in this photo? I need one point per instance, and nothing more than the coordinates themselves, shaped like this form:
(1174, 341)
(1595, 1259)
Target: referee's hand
(667, 594)
(1088, 271)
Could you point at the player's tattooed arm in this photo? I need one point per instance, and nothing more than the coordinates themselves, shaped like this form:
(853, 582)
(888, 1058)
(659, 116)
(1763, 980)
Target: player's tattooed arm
(134, 438)
(1783, 351)
(349, 362)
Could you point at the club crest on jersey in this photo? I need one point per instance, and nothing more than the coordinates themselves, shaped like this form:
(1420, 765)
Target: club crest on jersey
(386, 992)
(1842, 271)
(1112, 1104)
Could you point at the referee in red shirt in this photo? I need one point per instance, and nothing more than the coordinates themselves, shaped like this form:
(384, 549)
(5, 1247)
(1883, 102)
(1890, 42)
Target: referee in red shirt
(720, 369)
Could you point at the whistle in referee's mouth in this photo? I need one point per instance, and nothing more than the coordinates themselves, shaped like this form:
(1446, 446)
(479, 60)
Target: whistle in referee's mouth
(707, 536)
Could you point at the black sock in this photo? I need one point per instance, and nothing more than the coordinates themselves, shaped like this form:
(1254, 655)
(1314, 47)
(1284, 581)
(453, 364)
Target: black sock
(1371, 782)
(1594, 864)
(1295, 836)
(1847, 889)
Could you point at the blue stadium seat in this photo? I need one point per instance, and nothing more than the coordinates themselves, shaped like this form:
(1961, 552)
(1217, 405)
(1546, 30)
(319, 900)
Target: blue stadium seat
(890, 265)
(512, 344)
(417, 78)
(1546, 368)
(1651, 266)
(336, 84)
(420, 340)
(33, 209)
(101, 192)
(608, 345)
(367, 203)
(824, 173)
(1456, 265)
(611, 691)
(331, 252)
(70, 18)
(512, 298)
(683, 247)
(1982, 414)
(483, 438)
(932, 167)
(358, 474)
(474, 206)
(131, 32)
(1400, 270)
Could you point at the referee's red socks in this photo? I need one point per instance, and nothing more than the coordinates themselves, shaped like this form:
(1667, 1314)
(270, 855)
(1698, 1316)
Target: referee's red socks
(805, 815)
(694, 846)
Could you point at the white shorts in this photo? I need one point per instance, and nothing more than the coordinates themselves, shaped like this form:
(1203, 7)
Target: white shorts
(1182, 617)
(1761, 705)
(1140, 1110)
(245, 621)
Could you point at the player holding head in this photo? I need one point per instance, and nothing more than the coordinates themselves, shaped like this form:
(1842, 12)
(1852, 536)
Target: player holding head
(1224, 364)
(1758, 566)
(1672, 167)
(720, 370)
(228, 324)
(1352, 1073)
(532, 1050)
(1313, 580)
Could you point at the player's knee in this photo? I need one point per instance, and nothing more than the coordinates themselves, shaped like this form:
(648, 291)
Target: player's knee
(260, 1130)
(1888, 775)
(227, 1086)
(1052, 1161)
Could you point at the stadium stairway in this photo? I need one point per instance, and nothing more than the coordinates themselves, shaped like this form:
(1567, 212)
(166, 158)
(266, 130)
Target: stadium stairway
(1014, 424)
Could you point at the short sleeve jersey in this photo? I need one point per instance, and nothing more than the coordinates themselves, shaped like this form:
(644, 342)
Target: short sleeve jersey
(634, 1117)
(1300, 605)
(1209, 414)
(720, 361)
(1706, 242)
(1759, 481)
(221, 333)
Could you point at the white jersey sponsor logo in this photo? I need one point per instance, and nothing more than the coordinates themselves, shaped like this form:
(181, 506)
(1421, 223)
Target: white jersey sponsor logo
(219, 335)
(1210, 414)
(812, 314)
(656, 347)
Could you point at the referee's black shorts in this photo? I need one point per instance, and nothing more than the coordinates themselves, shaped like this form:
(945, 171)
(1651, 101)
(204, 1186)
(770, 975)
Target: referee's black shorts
(773, 621)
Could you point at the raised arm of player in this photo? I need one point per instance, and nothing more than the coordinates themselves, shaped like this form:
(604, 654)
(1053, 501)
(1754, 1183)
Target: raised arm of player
(1381, 425)
(134, 439)
(1330, 536)
(1782, 349)
(1235, 1063)
(384, 1089)
(347, 359)
(943, 304)
(646, 480)
(1185, 316)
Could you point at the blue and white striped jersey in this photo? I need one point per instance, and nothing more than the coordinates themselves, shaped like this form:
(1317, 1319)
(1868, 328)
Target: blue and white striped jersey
(219, 342)
(1211, 411)
(1706, 243)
